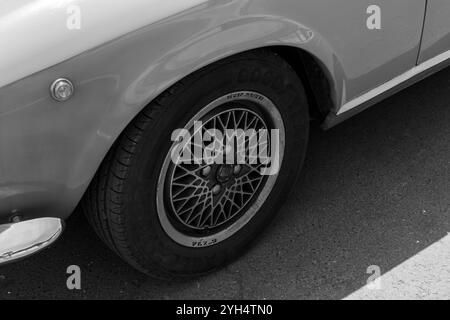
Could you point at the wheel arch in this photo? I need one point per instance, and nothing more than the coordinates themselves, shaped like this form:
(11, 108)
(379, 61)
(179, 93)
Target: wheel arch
(316, 75)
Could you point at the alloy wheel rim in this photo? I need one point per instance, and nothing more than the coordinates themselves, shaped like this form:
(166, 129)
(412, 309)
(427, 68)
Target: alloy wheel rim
(207, 196)
(200, 205)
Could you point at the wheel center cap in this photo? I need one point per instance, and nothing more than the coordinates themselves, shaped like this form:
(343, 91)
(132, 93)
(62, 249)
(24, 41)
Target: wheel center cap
(224, 173)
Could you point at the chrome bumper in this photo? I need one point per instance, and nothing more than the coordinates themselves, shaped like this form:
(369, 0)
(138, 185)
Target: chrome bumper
(18, 240)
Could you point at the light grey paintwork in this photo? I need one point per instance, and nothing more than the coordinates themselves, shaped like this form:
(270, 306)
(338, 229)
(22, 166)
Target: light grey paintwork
(436, 33)
(50, 151)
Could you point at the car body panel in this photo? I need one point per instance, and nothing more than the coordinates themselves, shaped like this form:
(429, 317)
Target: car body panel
(436, 33)
(50, 151)
(39, 33)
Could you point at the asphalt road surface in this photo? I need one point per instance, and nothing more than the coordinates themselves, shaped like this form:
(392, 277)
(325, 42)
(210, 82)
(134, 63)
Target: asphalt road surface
(375, 191)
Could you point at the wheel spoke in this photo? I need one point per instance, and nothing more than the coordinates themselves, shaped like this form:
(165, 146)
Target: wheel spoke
(193, 200)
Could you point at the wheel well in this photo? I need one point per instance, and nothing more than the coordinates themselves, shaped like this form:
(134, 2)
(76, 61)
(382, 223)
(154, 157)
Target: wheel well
(314, 77)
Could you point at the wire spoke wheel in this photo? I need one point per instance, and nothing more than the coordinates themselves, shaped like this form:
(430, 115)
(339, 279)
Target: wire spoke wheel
(207, 196)
(204, 201)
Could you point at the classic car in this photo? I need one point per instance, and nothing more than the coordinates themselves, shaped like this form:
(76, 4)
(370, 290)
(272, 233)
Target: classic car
(101, 100)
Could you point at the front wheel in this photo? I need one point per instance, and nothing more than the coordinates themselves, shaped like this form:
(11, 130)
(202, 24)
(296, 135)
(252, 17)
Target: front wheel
(204, 168)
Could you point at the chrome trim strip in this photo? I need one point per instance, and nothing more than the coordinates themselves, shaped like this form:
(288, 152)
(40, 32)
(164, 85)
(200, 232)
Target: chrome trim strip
(395, 82)
(18, 240)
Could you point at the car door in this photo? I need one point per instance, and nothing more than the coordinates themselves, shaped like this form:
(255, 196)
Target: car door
(374, 56)
(367, 54)
(436, 34)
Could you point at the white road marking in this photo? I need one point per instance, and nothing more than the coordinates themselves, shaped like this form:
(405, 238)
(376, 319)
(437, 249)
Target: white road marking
(424, 276)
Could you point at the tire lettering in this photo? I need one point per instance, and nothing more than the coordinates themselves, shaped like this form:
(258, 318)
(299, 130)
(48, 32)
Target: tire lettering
(204, 243)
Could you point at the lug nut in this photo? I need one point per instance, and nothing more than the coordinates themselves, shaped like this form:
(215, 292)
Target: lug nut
(217, 188)
(206, 171)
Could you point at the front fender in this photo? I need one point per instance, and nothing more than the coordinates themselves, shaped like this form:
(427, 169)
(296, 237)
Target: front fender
(50, 151)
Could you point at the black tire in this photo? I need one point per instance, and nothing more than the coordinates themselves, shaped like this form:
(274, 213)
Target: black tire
(121, 201)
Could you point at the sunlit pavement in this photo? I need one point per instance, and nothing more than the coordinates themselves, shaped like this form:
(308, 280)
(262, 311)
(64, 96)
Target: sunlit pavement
(424, 276)
(375, 192)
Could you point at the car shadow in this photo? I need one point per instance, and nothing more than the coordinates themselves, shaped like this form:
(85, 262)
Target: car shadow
(374, 191)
